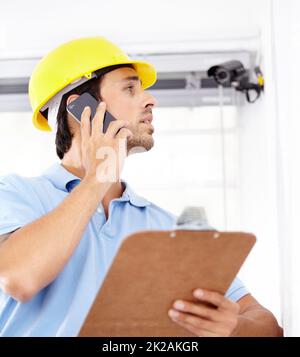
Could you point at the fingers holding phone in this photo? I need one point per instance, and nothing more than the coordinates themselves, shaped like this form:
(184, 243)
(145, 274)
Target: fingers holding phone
(77, 106)
(103, 132)
(85, 126)
(119, 129)
(98, 120)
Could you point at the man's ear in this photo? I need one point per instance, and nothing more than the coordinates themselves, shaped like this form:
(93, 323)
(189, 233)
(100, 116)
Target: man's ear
(71, 98)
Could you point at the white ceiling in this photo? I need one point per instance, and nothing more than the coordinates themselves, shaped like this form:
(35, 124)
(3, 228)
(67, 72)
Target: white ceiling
(30, 28)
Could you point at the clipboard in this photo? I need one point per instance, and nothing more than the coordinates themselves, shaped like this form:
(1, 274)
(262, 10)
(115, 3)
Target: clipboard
(154, 268)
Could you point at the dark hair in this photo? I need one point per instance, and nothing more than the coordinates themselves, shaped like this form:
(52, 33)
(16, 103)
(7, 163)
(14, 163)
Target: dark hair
(63, 140)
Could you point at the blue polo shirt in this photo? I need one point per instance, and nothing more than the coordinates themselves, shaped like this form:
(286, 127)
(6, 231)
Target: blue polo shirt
(60, 308)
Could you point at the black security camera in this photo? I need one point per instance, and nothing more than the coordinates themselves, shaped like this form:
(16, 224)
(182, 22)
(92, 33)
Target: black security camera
(234, 74)
(227, 72)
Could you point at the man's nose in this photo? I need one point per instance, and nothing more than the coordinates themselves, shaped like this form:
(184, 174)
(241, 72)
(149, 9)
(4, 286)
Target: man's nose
(150, 100)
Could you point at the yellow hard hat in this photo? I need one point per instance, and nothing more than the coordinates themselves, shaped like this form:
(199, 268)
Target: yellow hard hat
(72, 61)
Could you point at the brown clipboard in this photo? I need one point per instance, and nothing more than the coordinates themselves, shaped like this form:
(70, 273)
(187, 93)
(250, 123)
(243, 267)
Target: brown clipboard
(154, 268)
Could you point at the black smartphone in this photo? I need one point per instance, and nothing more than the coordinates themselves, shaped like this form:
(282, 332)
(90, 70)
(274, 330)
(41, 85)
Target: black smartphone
(87, 100)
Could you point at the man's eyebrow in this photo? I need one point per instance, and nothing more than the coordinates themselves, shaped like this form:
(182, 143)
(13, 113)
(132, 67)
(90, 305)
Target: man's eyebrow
(131, 78)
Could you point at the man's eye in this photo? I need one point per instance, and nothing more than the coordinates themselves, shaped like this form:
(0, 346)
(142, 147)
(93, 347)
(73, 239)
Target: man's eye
(130, 88)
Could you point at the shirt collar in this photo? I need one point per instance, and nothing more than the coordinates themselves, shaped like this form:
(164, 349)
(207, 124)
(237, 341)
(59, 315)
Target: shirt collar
(134, 199)
(59, 176)
(64, 180)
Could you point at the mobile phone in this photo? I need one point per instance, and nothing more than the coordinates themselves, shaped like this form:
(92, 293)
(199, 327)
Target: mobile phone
(76, 108)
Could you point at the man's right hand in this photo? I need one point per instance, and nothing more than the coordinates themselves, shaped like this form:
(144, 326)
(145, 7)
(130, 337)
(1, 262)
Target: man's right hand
(101, 152)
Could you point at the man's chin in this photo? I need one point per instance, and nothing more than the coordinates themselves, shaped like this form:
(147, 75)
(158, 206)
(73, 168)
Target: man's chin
(144, 144)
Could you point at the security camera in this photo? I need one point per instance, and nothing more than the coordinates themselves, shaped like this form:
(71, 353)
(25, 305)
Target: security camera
(234, 74)
(228, 72)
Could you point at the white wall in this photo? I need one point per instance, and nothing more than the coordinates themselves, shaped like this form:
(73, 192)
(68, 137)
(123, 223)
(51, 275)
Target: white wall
(24, 150)
(286, 40)
(185, 166)
(258, 164)
(270, 166)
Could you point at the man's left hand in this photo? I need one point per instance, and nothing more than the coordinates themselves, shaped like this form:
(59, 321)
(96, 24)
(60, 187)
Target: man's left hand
(218, 318)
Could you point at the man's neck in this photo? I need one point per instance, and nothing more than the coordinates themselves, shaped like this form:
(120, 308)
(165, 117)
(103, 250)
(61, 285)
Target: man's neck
(115, 191)
(74, 170)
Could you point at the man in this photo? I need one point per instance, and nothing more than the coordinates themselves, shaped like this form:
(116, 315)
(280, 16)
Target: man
(60, 231)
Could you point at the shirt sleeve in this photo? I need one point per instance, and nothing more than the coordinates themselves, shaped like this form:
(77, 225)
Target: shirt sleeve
(236, 290)
(19, 204)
